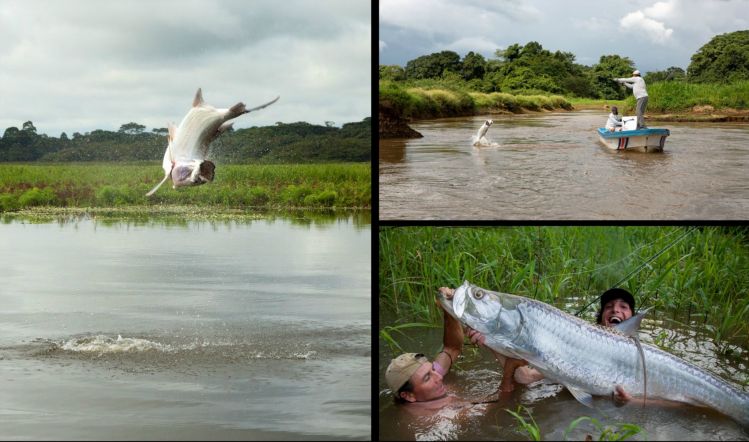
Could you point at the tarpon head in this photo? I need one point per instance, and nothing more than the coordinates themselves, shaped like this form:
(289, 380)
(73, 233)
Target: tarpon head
(494, 314)
(193, 173)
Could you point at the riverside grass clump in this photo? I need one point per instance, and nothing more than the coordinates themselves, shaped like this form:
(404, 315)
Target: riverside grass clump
(435, 102)
(268, 187)
(704, 276)
(676, 96)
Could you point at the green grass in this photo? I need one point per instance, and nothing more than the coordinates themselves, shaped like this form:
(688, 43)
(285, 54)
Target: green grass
(675, 96)
(270, 187)
(706, 273)
(421, 102)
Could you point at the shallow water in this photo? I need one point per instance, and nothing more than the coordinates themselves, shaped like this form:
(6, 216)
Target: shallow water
(551, 166)
(195, 330)
(553, 407)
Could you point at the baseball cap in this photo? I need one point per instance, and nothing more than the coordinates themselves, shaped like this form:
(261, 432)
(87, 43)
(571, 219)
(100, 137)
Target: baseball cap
(636, 72)
(401, 368)
(617, 293)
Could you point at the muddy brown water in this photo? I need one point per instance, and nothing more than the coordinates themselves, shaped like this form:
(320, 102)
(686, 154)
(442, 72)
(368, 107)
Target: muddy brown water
(553, 407)
(256, 330)
(551, 166)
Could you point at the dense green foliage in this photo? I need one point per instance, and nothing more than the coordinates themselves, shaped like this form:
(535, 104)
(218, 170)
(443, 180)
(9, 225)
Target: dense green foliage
(283, 143)
(271, 187)
(705, 276)
(533, 70)
(519, 70)
(723, 59)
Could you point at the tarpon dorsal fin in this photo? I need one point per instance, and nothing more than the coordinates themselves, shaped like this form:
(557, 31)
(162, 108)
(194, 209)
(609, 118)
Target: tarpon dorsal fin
(198, 100)
(631, 326)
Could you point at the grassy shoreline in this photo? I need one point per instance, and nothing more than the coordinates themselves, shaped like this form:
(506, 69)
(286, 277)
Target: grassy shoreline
(339, 186)
(704, 276)
(668, 101)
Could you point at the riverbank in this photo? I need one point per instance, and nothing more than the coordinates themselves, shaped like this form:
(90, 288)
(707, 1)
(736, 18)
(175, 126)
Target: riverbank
(669, 101)
(246, 187)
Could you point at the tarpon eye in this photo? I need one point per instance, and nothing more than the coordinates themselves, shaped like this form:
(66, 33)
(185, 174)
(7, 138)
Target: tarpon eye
(479, 294)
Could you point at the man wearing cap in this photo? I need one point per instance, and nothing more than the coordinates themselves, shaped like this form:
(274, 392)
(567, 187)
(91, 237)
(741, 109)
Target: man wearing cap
(414, 379)
(637, 84)
(617, 305)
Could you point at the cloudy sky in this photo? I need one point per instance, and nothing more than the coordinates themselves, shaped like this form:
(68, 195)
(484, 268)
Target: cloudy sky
(80, 65)
(653, 34)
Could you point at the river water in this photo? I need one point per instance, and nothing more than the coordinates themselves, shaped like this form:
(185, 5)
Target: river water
(188, 330)
(551, 166)
(552, 406)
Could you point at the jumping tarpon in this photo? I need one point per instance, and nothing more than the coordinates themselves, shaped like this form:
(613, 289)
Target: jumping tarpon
(185, 157)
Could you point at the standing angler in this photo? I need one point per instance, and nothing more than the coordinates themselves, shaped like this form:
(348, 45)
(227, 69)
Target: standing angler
(185, 157)
(637, 84)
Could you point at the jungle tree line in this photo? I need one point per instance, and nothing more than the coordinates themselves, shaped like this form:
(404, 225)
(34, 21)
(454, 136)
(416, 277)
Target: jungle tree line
(299, 142)
(533, 69)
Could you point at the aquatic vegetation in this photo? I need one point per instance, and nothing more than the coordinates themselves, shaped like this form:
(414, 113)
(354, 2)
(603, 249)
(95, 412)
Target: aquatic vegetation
(268, 187)
(531, 428)
(704, 276)
(622, 432)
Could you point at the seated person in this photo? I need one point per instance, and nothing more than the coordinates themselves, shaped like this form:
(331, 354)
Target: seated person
(614, 121)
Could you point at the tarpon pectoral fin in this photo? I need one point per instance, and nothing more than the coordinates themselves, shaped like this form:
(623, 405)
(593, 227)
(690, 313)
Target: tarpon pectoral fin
(631, 326)
(158, 185)
(198, 100)
(224, 127)
(582, 396)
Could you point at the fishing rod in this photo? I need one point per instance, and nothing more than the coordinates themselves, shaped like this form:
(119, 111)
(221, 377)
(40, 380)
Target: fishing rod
(641, 266)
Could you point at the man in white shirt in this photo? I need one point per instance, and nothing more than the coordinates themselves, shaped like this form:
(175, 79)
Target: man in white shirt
(637, 84)
(614, 121)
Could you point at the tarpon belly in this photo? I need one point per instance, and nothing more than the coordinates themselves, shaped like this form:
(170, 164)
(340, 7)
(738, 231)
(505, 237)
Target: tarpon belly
(586, 358)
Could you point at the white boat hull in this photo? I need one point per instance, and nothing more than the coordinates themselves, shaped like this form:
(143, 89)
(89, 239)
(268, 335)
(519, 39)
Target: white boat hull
(643, 140)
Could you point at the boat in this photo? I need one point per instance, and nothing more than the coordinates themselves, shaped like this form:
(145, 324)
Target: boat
(640, 140)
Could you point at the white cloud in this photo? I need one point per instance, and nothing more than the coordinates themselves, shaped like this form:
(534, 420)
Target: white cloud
(475, 44)
(638, 22)
(383, 45)
(84, 65)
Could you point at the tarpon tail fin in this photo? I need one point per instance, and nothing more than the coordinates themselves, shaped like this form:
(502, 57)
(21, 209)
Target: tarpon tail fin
(262, 105)
(198, 100)
(166, 177)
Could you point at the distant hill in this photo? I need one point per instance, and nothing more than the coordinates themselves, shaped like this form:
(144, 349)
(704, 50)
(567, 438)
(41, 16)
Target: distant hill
(283, 143)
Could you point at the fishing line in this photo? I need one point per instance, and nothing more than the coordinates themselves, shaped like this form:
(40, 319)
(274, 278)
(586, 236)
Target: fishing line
(613, 263)
(641, 266)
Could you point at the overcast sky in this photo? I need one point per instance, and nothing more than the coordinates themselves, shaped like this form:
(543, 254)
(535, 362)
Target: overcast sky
(653, 34)
(79, 65)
